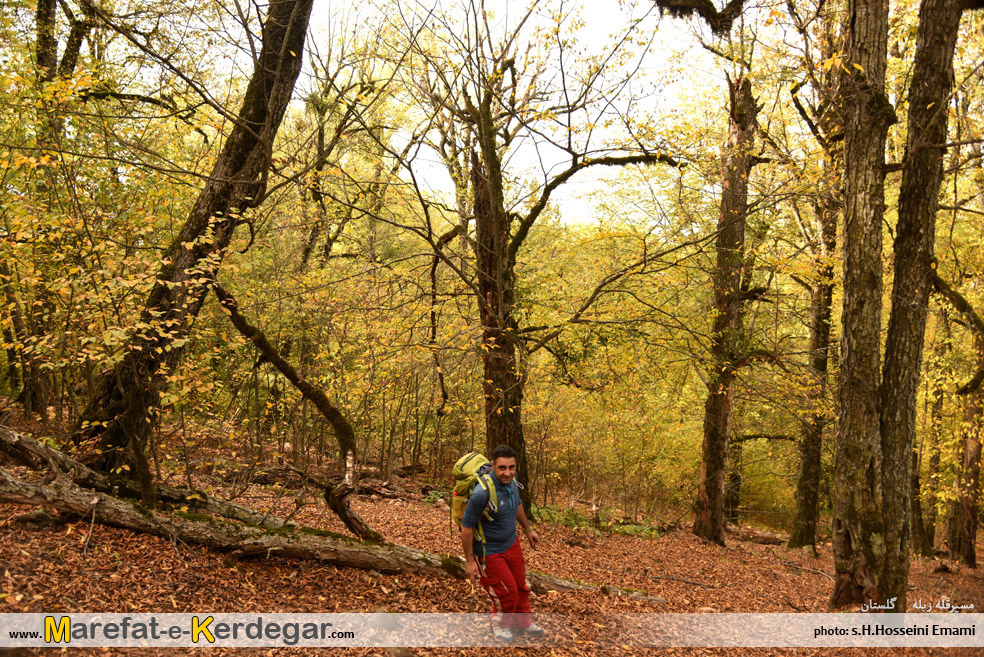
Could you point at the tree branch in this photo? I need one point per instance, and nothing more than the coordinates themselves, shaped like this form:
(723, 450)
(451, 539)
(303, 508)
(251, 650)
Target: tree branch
(973, 385)
(963, 306)
(141, 98)
(959, 302)
(620, 160)
(757, 354)
(343, 430)
(754, 293)
(824, 144)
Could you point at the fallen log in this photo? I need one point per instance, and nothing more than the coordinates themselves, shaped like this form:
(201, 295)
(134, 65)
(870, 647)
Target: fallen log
(365, 486)
(25, 450)
(66, 497)
(749, 535)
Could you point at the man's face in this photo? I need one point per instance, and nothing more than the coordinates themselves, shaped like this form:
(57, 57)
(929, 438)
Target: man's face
(504, 468)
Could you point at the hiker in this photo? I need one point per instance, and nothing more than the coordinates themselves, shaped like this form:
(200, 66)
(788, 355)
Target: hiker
(498, 561)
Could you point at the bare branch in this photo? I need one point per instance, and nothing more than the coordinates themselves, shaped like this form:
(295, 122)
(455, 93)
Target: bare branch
(616, 160)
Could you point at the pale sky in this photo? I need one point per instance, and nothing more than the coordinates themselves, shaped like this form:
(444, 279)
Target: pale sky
(673, 69)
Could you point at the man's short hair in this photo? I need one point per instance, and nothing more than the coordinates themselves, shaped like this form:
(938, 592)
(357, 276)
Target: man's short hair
(503, 452)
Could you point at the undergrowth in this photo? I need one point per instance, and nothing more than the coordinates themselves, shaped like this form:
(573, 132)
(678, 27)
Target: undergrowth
(598, 523)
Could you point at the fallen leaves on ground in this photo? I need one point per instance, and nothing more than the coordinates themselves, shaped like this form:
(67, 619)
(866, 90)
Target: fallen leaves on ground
(85, 567)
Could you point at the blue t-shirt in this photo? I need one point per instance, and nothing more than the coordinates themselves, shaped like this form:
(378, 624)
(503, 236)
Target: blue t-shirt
(500, 532)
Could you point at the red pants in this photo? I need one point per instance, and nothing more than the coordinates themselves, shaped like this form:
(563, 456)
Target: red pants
(505, 581)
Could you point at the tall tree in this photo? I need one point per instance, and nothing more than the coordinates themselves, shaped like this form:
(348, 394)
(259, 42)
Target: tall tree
(969, 481)
(825, 121)
(127, 397)
(491, 96)
(859, 525)
(925, 496)
(731, 277)
(877, 414)
(31, 325)
(730, 294)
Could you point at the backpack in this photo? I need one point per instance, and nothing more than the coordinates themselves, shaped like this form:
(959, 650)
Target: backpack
(472, 468)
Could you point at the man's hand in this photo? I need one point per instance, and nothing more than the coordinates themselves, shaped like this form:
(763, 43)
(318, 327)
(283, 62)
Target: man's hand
(533, 537)
(471, 567)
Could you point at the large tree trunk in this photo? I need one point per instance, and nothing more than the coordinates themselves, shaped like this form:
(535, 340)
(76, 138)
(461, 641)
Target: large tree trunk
(725, 337)
(65, 496)
(127, 397)
(24, 450)
(503, 377)
(872, 532)
(922, 173)
(859, 531)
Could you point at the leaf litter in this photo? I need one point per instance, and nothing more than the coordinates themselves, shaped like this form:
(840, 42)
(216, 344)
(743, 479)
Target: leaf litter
(80, 567)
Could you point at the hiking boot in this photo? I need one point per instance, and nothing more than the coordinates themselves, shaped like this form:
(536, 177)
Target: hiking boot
(502, 634)
(533, 630)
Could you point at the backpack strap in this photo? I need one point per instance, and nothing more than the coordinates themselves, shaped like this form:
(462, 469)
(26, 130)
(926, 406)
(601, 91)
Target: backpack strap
(485, 481)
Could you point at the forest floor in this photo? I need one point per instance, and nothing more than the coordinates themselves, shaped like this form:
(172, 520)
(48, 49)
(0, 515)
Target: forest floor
(81, 567)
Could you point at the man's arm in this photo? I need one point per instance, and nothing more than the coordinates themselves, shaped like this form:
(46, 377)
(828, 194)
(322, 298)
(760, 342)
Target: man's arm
(527, 527)
(470, 519)
(471, 563)
(467, 536)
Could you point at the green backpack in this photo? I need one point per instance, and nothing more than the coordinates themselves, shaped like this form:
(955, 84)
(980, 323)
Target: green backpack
(470, 469)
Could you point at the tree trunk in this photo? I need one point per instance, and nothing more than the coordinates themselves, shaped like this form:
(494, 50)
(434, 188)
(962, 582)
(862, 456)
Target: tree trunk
(951, 528)
(22, 449)
(970, 474)
(725, 338)
(922, 173)
(811, 443)
(732, 489)
(918, 526)
(37, 383)
(871, 552)
(930, 490)
(503, 381)
(122, 409)
(13, 377)
(17, 330)
(859, 531)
